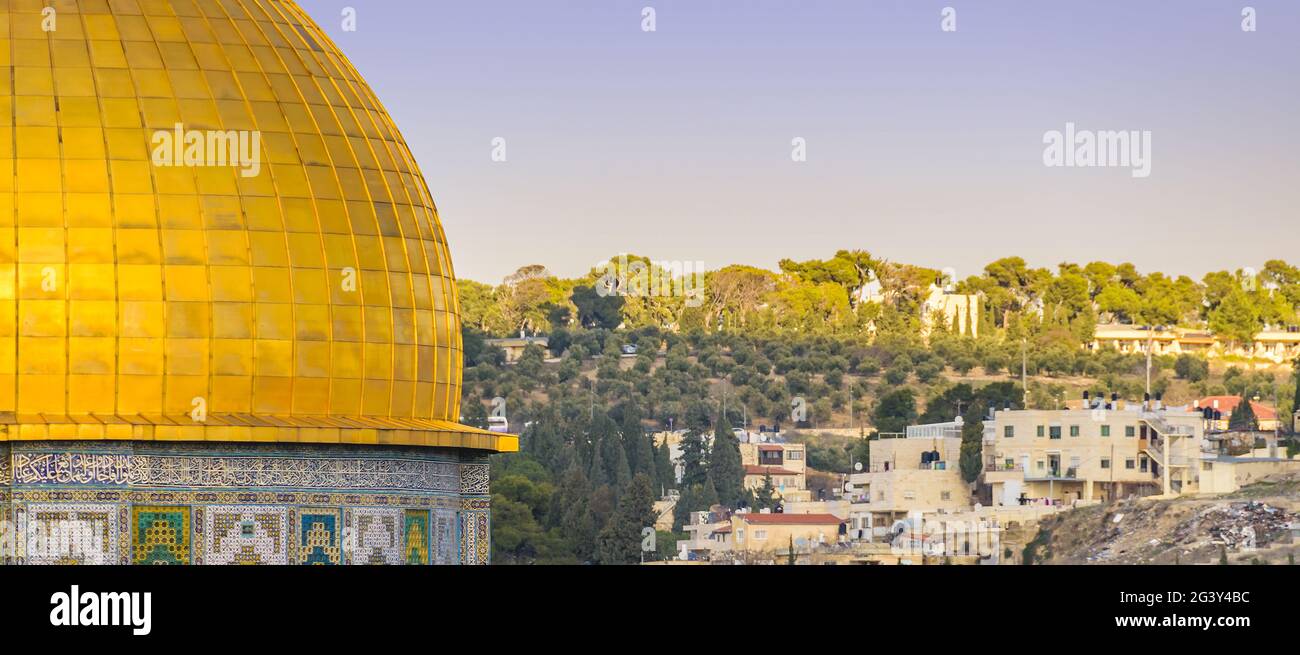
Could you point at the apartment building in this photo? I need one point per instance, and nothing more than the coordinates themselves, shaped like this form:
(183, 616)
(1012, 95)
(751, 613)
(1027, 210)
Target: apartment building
(766, 533)
(785, 463)
(1098, 452)
(917, 473)
(1278, 345)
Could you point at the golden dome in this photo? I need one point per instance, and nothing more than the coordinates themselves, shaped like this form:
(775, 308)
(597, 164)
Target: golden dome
(154, 284)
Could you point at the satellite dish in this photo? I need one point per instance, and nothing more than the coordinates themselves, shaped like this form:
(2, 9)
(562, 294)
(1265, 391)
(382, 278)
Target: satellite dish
(979, 506)
(848, 486)
(857, 466)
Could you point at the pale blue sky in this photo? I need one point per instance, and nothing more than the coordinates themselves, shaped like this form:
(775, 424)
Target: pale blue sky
(923, 146)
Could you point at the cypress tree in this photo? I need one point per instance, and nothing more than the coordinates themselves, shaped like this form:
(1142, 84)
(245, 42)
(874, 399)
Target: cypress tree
(693, 460)
(765, 496)
(640, 453)
(620, 541)
(1243, 417)
(665, 475)
(725, 468)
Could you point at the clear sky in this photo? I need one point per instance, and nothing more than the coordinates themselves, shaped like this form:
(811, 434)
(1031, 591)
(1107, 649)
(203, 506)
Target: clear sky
(923, 146)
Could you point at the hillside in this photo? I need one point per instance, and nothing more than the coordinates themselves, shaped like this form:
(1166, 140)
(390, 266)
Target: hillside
(1187, 530)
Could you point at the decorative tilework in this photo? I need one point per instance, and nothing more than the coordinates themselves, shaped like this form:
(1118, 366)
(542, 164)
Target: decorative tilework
(444, 536)
(68, 533)
(407, 507)
(375, 535)
(474, 538)
(474, 479)
(318, 536)
(417, 536)
(160, 535)
(195, 471)
(245, 534)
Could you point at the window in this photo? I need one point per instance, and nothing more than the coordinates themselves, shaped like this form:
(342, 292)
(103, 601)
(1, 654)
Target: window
(946, 495)
(1129, 463)
(1074, 463)
(1105, 430)
(1074, 430)
(1105, 462)
(1009, 463)
(1041, 466)
(760, 535)
(1009, 431)
(794, 454)
(1144, 464)
(1206, 466)
(1056, 432)
(1040, 430)
(740, 535)
(1130, 431)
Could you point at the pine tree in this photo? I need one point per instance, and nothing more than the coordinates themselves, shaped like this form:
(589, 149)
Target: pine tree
(665, 474)
(693, 460)
(598, 473)
(544, 442)
(572, 514)
(765, 496)
(695, 498)
(620, 541)
(640, 453)
(725, 468)
(1243, 417)
(620, 474)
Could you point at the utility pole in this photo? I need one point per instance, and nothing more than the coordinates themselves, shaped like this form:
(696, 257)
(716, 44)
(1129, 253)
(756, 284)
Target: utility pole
(1024, 369)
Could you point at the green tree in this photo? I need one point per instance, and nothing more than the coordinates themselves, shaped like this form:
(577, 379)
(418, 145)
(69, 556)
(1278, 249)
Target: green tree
(665, 475)
(765, 496)
(620, 540)
(694, 460)
(596, 310)
(1236, 318)
(895, 411)
(1191, 368)
(972, 450)
(474, 414)
(725, 468)
(1243, 417)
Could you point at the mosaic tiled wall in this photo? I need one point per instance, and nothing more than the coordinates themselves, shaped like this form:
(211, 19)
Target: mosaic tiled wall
(215, 504)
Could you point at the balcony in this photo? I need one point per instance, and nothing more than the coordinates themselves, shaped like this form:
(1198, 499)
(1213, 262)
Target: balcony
(1054, 475)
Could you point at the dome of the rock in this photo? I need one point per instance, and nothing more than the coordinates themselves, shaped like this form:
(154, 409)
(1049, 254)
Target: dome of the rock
(211, 232)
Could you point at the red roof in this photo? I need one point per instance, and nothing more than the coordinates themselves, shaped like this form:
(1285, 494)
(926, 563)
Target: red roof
(726, 529)
(1229, 403)
(770, 448)
(751, 469)
(791, 519)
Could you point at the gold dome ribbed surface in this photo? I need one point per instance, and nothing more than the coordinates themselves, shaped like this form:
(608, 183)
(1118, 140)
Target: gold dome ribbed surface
(314, 301)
